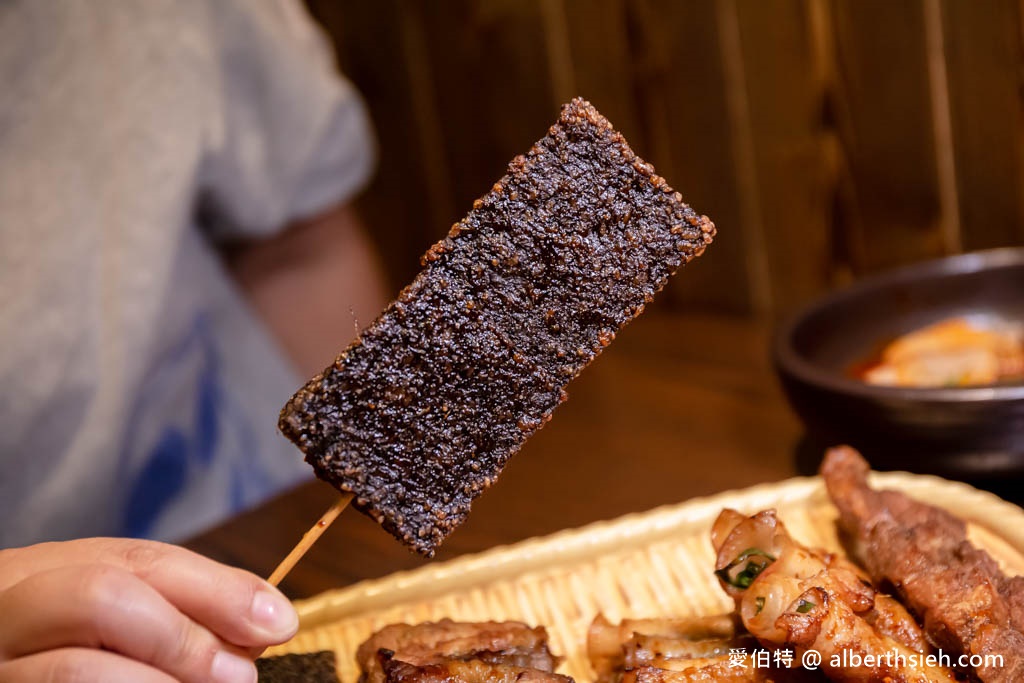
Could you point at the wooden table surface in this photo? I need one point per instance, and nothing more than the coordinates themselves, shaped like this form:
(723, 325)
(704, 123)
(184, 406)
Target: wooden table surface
(677, 407)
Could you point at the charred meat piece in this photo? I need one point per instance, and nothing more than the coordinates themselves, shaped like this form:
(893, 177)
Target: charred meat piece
(965, 602)
(507, 643)
(315, 667)
(420, 414)
(458, 671)
(722, 670)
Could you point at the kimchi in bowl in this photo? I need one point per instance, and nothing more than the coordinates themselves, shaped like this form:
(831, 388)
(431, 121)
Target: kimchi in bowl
(916, 367)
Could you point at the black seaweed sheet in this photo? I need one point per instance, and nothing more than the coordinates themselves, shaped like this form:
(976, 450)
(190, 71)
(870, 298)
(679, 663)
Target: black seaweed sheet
(313, 667)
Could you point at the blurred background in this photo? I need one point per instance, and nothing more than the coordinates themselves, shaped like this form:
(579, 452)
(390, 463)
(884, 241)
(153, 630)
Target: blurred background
(827, 140)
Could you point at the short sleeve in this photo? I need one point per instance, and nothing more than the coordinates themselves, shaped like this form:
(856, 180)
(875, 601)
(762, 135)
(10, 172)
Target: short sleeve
(291, 137)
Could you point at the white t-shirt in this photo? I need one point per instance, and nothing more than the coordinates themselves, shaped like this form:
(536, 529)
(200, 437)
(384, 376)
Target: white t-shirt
(140, 393)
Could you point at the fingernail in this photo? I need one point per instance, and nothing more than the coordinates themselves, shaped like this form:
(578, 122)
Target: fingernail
(272, 612)
(230, 668)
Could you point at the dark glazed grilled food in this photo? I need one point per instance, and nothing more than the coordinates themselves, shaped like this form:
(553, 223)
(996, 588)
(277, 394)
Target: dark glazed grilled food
(457, 671)
(315, 667)
(966, 603)
(420, 414)
(722, 671)
(508, 643)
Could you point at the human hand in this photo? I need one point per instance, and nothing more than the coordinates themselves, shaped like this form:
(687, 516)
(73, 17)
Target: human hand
(109, 609)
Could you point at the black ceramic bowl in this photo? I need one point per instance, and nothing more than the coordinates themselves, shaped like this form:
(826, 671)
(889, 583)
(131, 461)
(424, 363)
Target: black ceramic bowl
(963, 432)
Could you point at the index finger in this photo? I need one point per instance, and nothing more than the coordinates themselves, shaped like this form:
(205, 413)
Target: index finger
(238, 606)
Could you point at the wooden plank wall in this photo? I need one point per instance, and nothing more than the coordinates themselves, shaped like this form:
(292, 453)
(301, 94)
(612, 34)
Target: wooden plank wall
(827, 139)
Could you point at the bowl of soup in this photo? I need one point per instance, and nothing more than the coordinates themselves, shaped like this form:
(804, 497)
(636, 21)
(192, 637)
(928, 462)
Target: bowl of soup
(921, 368)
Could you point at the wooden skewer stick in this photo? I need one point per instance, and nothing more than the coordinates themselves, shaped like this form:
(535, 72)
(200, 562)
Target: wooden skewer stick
(308, 539)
